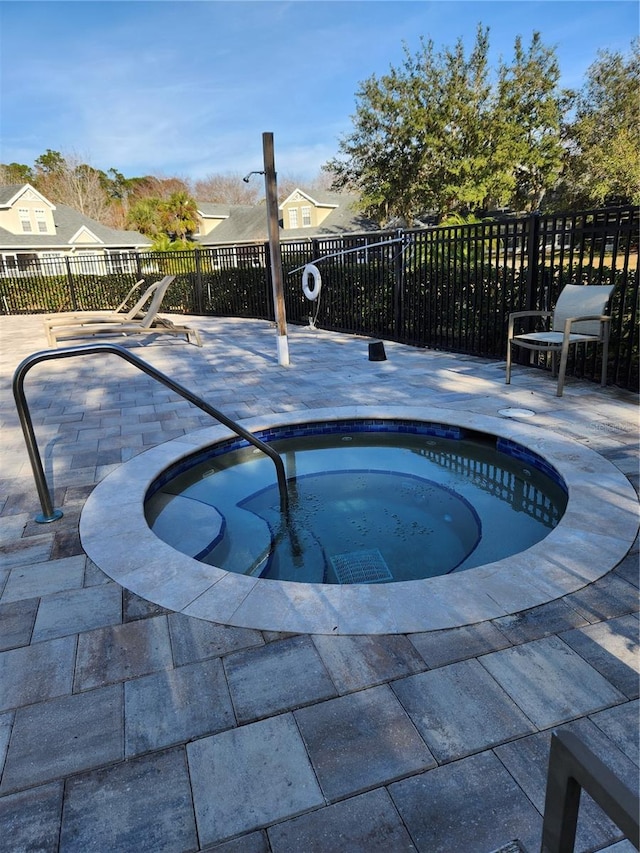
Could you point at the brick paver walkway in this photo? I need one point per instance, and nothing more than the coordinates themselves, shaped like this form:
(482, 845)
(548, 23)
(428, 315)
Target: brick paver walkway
(125, 727)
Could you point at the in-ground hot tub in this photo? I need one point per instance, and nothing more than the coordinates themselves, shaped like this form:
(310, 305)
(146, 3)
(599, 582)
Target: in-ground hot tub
(370, 501)
(594, 532)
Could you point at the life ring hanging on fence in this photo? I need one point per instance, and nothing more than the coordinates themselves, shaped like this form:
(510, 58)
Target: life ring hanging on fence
(313, 292)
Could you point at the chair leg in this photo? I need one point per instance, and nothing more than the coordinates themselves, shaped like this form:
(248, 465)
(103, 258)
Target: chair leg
(563, 365)
(605, 355)
(507, 378)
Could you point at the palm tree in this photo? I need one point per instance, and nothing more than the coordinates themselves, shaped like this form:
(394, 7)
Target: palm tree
(144, 216)
(179, 216)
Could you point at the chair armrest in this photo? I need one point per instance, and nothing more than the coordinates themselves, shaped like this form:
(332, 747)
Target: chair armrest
(603, 318)
(530, 314)
(517, 314)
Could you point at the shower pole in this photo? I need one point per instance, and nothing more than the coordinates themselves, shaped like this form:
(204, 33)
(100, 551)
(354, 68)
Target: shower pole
(274, 247)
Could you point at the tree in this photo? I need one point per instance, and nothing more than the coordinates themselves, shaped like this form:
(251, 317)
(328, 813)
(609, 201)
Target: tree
(179, 216)
(152, 205)
(227, 189)
(230, 188)
(68, 180)
(164, 243)
(528, 150)
(287, 183)
(50, 163)
(156, 187)
(15, 173)
(382, 158)
(603, 162)
(432, 135)
(144, 216)
(174, 218)
(470, 173)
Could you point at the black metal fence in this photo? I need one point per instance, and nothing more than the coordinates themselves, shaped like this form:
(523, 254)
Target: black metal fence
(448, 288)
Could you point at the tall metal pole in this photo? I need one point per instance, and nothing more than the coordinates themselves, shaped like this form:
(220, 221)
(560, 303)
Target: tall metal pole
(274, 247)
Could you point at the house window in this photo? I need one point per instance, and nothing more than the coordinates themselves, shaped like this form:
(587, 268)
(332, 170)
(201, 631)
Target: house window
(41, 220)
(90, 263)
(8, 263)
(115, 263)
(53, 263)
(120, 262)
(25, 219)
(293, 217)
(28, 262)
(306, 217)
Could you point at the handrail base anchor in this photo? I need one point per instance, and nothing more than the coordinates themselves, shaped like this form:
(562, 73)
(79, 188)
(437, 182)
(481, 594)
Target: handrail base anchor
(41, 518)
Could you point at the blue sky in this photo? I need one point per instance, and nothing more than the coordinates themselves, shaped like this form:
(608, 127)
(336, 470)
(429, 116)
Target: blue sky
(187, 88)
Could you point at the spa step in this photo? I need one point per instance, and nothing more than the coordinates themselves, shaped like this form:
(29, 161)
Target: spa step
(245, 544)
(188, 525)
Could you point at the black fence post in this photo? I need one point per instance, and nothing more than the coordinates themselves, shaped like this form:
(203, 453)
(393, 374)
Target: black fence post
(199, 303)
(72, 289)
(398, 287)
(533, 260)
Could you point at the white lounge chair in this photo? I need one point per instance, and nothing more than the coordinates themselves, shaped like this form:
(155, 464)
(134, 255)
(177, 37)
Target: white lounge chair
(121, 310)
(134, 322)
(74, 318)
(578, 318)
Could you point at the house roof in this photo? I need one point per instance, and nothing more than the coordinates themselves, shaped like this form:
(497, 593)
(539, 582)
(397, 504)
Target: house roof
(72, 229)
(10, 193)
(248, 223)
(244, 223)
(211, 210)
(322, 198)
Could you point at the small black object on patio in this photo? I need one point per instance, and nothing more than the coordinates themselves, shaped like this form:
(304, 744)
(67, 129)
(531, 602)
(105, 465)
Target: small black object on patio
(376, 351)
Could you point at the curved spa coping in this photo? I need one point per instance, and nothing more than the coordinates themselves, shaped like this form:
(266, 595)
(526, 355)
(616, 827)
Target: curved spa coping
(594, 534)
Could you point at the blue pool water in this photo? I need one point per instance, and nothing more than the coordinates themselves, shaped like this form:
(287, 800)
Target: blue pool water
(369, 503)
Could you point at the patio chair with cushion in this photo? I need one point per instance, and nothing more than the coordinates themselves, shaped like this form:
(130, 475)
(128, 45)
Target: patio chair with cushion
(578, 318)
(136, 321)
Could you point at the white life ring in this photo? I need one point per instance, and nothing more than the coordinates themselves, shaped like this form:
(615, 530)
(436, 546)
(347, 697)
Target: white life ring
(311, 293)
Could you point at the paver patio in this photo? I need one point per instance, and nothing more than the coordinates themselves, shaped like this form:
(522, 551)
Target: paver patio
(126, 727)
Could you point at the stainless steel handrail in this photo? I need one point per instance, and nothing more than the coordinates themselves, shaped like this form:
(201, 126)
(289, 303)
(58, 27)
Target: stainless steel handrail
(48, 512)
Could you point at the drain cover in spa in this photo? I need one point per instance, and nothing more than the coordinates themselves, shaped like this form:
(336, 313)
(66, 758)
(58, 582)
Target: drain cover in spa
(361, 567)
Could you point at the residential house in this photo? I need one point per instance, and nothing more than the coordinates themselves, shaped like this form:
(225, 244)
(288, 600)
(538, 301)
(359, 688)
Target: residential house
(37, 234)
(241, 229)
(322, 214)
